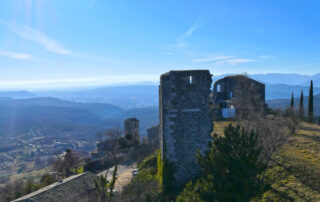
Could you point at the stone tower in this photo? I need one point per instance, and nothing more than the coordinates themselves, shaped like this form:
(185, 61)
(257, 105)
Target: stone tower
(132, 126)
(185, 123)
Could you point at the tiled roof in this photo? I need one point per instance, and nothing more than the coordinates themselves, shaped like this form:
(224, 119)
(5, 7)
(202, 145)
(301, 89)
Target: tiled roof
(74, 188)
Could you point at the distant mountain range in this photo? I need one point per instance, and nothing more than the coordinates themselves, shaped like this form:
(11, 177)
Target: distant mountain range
(282, 78)
(127, 97)
(284, 103)
(78, 114)
(51, 116)
(278, 91)
(146, 95)
(17, 94)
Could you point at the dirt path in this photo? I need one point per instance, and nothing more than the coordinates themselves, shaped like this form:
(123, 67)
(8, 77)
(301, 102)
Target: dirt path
(124, 175)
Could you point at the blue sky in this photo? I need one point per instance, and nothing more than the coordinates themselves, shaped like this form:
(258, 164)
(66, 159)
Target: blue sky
(89, 42)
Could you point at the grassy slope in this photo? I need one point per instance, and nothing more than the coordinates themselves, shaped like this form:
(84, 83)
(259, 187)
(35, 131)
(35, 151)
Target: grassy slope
(295, 172)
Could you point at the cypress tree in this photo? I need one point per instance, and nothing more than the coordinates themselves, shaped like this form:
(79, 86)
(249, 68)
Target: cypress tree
(292, 101)
(310, 104)
(301, 107)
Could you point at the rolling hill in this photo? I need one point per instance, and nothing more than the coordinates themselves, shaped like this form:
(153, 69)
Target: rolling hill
(127, 97)
(146, 95)
(17, 94)
(53, 116)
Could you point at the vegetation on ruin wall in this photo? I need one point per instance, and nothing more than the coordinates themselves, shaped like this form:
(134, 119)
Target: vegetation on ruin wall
(165, 174)
(148, 184)
(144, 186)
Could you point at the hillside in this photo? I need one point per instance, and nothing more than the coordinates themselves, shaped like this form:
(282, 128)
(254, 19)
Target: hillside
(17, 94)
(148, 116)
(128, 97)
(18, 116)
(294, 174)
(100, 109)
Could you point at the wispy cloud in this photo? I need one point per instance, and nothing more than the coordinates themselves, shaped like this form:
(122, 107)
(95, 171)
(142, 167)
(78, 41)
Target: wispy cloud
(233, 62)
(212, 58)
(266, 56)
(15, 55)
(179, 44)
(188, 33)
(223, 59)
(41, 39)
(181, 41)
(37, 37)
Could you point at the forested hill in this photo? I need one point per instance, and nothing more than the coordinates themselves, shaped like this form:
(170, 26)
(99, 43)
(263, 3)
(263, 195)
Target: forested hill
(84, 119)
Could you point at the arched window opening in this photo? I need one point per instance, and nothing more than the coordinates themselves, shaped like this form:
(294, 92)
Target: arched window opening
(190, 79)
(218, 88)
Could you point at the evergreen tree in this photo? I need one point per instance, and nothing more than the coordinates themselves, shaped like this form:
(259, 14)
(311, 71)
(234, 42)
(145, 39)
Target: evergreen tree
(310, 104)
(292, 101)
(301, 107)
(231, 169)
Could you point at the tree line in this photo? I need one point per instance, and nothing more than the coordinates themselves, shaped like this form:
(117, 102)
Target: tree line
(301, 112)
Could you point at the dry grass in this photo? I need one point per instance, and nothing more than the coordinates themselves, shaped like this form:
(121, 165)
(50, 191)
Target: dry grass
(219, 126)
(295, 171)
(295, 174)
(35, 174)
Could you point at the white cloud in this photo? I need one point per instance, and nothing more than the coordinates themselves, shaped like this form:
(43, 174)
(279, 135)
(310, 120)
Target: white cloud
(189, 32)
(265, 56)
(41, 39)
(15, 55)
(212, 58)
(233, 62)
(223, 59)
(181, 41)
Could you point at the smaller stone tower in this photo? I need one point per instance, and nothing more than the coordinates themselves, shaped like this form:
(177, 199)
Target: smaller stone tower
(153, 135)
(132, 126)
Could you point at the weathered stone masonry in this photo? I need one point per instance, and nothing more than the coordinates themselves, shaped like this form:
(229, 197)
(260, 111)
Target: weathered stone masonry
(185, 123)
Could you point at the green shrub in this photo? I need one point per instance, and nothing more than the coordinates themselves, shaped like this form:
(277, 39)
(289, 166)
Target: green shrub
(231, 169)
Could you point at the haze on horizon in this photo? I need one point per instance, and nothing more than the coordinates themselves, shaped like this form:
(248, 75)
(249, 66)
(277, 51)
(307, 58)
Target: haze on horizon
(50, 44)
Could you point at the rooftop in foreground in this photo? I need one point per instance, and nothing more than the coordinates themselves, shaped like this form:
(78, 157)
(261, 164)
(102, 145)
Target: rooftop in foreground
(69, 189)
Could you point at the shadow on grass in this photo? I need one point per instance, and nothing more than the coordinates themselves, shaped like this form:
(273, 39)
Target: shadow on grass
(306, 175)
(315, 138)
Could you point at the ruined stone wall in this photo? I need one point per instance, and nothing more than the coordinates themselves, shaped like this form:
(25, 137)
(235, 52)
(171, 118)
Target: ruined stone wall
(132, 126)
(231, 89)
(185, 123)
(153, 135)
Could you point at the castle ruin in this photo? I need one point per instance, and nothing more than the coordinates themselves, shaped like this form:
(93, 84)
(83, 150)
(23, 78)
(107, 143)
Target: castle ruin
(132, 127)
(185, 121)
(232, 91)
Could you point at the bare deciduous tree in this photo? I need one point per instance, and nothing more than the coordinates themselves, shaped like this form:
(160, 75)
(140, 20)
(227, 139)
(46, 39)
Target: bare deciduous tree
(66, 165)
(113, 151)
(251, 114)
(292, 120)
